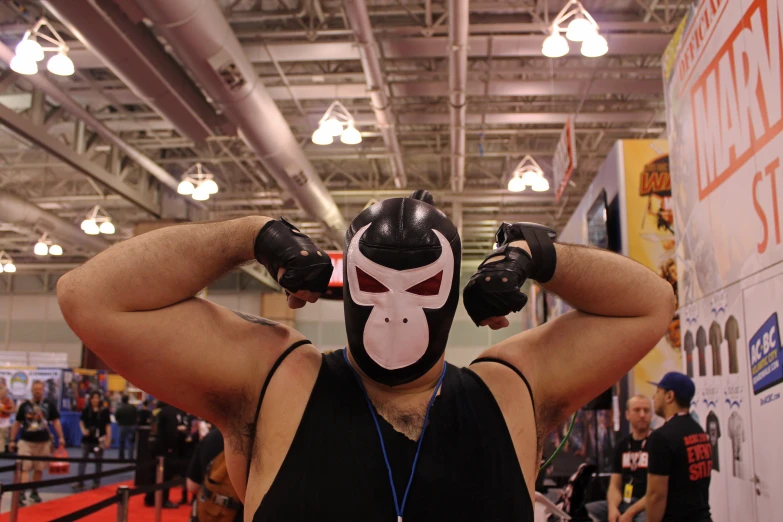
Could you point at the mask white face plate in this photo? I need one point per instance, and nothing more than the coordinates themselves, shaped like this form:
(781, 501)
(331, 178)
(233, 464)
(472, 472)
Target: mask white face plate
(396, 334)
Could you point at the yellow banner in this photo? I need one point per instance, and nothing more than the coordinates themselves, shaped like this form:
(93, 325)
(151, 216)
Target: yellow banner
(651, 242)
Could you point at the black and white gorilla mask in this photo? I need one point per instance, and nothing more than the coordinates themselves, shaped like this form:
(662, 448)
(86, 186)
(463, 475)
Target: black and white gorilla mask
(402, 261)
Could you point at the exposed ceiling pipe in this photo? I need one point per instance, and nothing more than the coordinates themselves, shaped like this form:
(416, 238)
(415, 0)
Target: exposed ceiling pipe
(17, 211)
(359, 20)
(41, 82)
(459, 15)
(131, 51)
(200, 36)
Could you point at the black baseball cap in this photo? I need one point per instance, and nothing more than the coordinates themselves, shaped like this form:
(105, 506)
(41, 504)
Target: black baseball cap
(679, 383)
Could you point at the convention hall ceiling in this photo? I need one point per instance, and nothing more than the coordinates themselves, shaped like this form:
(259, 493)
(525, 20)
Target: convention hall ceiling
(308, 55)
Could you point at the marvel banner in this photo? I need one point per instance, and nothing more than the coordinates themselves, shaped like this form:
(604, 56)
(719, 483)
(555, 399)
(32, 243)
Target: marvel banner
(724, 120)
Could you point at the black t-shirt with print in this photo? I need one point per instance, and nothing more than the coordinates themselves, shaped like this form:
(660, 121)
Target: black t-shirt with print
(35, 418)
(630, 460)
(681, 450)
(95, 423)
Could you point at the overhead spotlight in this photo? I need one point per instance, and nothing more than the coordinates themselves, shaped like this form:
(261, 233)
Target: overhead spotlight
(582, 28)
(29, 51)
(98, 221)
(331, 126)
(107, 227)
(41, 249)
(60, 65)
(555, 46)
(185, 188)
(55, 250)
(197, 183)
(6, 263)
(515, 184)
(595, 46)
(351, 136)
(540, 184)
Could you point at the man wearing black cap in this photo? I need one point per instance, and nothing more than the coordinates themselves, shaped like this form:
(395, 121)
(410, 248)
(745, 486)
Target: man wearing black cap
(680, 457)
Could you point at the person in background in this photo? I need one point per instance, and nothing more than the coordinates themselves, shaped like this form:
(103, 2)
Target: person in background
(96, 436)
(33, 418)
(127, 416)
(625, 499)
(7, 408)
(145, 414)
(165, 423)
(680, 457)
(219, 496)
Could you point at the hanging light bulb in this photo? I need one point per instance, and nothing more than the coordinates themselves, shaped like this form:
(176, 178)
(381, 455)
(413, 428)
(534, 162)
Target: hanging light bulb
(40, 249)
(91, 228)
(9, 267)
(106, 228)
(185, 188)
(333, 126)
(60, 64)
(55, 250)
(30, 49)
(580, 29)
(87, 224)
(201, 193)
(515, 184)
(23, 65)
(595, 46)
(210, 186)
(321, 136)
(529, 177)
(351, 136)
(540, 185)
(555, 45)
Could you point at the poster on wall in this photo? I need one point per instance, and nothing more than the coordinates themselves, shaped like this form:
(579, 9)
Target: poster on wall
(762, 348)
(77, 385)
(725, 116)
(20, 382)
(713, 331)
(651, 242)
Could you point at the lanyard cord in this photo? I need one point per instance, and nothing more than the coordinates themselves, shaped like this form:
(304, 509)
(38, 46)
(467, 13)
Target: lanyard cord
(399, 508)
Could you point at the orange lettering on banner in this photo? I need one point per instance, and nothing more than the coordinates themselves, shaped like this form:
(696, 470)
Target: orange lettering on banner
(699, 32)
(760, 247)
(737, 101)
(770, 171)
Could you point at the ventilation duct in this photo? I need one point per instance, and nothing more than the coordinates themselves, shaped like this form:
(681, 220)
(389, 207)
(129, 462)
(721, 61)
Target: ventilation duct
(359, 20)
(202, 39)
(128, 48)
(15, 210)
(459, 16)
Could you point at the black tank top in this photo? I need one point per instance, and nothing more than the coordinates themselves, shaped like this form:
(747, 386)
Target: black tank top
(334, 470)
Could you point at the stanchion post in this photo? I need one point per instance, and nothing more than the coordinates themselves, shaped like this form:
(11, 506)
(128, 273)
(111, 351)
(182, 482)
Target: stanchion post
(159, 492)
(16, 496)
(123, 492)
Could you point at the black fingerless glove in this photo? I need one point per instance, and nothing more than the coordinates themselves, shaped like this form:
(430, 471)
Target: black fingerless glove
(494, 290)
(280, 244)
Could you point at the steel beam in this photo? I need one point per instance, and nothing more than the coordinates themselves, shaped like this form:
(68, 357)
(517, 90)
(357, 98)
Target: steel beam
(25, 128)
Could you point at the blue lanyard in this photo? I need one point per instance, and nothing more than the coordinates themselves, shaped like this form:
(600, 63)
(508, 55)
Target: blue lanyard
(399, 508)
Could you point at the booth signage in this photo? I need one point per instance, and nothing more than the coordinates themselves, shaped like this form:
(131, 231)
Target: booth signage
(564, 161)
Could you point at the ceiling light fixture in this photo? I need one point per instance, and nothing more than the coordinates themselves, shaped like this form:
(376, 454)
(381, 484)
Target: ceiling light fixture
(582, 28)
(6, 263)
(98, 221)
(29, 51)
(198, 183)
(528, 174)
(331, 126)
(45, 246)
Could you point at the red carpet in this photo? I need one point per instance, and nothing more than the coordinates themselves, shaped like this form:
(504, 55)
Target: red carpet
(138, 512)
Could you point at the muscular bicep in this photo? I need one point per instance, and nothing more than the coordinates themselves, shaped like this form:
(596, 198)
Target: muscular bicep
(575, 357)
(657, 487)
(196, 355)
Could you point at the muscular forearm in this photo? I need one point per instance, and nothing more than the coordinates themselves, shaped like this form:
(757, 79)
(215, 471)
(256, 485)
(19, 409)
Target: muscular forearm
(161, 267)
(637, 507)
(603, 283)
(655, 508)
(614, 497)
